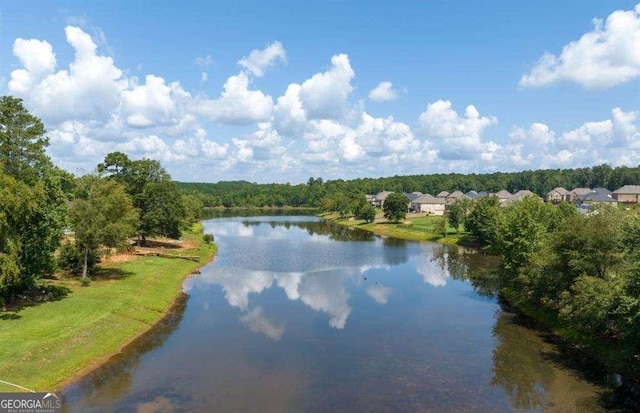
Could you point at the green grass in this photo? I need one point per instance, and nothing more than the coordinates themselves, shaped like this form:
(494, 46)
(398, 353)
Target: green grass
(45, 346)
(421, 228)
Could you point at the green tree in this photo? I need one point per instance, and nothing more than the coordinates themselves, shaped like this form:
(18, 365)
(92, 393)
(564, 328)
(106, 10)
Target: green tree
(522, 231)
(156, 197)
(163, 210)
(117, 164)
(341, 204)
(483, 220)
(458, 212)
(327, 204)
(395, 207)
(33, 220)
(104, 217)
(357, 202)
(441, 226)
(368, 213)
(18, 200)
(193, 206)
(22, 141)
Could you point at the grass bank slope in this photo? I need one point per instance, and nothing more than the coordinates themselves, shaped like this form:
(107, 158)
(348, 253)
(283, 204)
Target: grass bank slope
(45, 346)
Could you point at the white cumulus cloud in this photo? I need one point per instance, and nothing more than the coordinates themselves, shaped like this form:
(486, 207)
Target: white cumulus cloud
(153, 103)
(324, 95)
(89, 89)
(462, 134)
(600, 59)
(259, 60)
(384, 92)
(237, 104)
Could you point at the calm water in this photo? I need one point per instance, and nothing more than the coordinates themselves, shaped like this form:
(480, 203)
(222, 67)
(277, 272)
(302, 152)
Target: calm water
(300, 315)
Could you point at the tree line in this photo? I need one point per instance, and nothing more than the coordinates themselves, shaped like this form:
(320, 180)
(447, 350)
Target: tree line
(312, 193)
(580, 272)
(39, 202)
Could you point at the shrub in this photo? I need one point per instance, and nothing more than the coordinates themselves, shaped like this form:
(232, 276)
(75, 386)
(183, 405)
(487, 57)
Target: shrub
(71, 259)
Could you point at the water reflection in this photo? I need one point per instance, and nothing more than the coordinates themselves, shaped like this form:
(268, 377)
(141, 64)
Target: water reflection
(259, 323)
(379, 293)
(323, 291)
(322, 272)
(518, 367)
(297, 314)
(522, 366)
(471, 265)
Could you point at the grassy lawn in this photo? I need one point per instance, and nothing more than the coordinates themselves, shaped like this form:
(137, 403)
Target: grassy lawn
(45, 346)
(417, 228)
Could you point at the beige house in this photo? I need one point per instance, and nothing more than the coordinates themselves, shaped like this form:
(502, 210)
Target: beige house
(519, 196)
(576, 192)
(628, 194)
(557, 195)
(378, 200)
(503, 195)
(429, 204)
(523, 193)
(455, 195)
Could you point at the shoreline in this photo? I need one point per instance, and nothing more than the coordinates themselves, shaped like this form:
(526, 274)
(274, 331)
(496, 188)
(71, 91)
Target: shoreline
(179, 300)
(415, 227)
(622, 381)
(51, 345)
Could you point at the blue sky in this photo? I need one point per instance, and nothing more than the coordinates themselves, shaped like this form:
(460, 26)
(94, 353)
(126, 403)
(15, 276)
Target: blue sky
(278, 91)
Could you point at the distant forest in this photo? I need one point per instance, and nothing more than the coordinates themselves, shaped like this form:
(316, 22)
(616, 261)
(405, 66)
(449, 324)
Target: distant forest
(247, 194)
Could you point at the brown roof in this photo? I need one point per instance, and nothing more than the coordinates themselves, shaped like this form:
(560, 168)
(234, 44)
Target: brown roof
(522, 193)
(383, 195)
(429, 199)
(559, 190)
(443, 194)
(628, 189)
(581, 191)
(456, 194)
(504, 194)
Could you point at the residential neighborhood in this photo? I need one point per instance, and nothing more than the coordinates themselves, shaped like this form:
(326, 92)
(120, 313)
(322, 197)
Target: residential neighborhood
(582, 198)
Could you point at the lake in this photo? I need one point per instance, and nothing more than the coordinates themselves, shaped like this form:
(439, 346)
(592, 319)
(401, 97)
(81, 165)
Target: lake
(297, 314)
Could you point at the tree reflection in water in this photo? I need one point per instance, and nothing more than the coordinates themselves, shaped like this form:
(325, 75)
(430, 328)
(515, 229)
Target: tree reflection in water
(518, 365)
(466, 264)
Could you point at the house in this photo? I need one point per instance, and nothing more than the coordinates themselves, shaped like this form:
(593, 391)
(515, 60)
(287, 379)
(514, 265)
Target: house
(557, 195)
(502, 195)
(628, 194)
(455, 195)
(519, 196)
(413, 195)
(476, 195)
(523, 193)
(378, 200)
(442, 194)
(576, 192)
(598, 196)
(429, 204)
